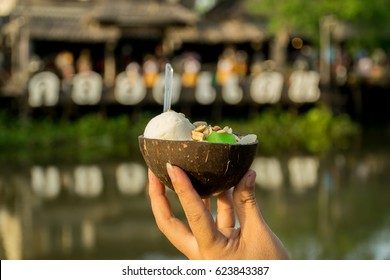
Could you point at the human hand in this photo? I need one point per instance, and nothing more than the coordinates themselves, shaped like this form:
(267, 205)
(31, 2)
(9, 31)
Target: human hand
(209, 239)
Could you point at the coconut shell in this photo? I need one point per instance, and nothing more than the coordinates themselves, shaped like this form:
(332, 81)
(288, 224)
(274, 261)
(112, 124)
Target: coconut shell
(211, 167)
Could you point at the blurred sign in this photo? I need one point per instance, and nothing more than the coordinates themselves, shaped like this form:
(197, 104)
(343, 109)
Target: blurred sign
(267, 87)
(204, 92)
(231, 91)
(43, 89)
(87, 88)
(130, 88)
(304, 86)
(129, 92)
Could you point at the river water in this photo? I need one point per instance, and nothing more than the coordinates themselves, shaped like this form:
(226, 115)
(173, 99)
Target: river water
(332, 206)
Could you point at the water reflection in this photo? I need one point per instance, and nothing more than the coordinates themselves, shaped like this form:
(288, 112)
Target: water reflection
(87, 180)
(322, 207)
(271, 172)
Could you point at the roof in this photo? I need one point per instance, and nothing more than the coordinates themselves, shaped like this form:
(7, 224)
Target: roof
(105, 20)
(101, 21)
(229, 31)
(225, 8)
(227, 22)
(140, 13)
(67, 23)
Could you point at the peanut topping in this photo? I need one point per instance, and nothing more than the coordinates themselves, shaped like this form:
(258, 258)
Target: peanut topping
(200, 123)
(203, 130)
(200, 128)
(198, 136)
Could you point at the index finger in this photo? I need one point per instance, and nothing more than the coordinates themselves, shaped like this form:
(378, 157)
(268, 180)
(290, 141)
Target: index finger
(198, 216)
(174, 229)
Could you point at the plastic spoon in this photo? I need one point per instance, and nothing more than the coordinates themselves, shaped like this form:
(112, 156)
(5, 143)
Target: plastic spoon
(168, 87)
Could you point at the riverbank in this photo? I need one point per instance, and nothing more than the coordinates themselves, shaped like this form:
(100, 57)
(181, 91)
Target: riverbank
(94, 136)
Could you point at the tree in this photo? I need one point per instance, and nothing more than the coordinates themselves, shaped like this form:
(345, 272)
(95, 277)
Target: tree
(368, 19)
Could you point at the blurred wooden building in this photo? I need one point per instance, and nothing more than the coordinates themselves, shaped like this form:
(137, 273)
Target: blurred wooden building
(113, 31)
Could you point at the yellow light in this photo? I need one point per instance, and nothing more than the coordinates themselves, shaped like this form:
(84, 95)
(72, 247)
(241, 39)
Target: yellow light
(297, 43)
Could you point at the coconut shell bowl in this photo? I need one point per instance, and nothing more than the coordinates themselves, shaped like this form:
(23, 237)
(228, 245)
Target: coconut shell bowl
(211, 167)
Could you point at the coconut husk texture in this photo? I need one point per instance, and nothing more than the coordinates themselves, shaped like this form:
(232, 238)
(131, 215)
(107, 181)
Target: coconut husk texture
(211, 167)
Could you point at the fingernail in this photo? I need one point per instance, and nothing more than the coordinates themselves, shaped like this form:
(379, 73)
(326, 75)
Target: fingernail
(171, 172)
(250, 179)
(150, 174)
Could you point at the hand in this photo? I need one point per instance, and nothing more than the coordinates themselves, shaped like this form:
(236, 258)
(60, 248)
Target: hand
(209, 239)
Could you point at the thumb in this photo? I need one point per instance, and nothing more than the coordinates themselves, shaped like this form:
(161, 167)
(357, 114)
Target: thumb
(245, 203)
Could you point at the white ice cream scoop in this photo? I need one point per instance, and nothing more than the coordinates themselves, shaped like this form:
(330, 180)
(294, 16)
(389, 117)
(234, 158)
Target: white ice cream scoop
(169, 125)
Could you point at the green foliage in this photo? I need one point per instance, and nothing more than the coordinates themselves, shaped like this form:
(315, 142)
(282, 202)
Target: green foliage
(89, 137)
(316, 131)
(303, 16)
(93, 136)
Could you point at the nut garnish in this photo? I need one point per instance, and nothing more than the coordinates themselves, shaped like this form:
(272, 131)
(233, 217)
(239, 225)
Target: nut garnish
(197, 136)
(202, 130)
(228, 130)
(199, 123)
(207, 131)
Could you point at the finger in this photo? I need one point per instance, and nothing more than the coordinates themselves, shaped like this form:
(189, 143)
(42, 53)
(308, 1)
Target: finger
(225, 210)
(245, 203)
(206, 202)
(199, 218)
(253, 226)
(174, 229)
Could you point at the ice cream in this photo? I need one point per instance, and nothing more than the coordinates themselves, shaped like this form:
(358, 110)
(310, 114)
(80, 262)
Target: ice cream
(169, 125)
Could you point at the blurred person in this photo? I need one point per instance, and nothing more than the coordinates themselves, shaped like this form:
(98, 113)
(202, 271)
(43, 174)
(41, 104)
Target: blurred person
(64, 63)
(191, 69)
(220, 239)
(132, 72)
(150, 70)
(84, 63)
(225, 66)
(241, 66)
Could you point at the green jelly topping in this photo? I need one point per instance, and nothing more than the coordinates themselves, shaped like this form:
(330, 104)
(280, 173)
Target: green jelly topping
(227, 138)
